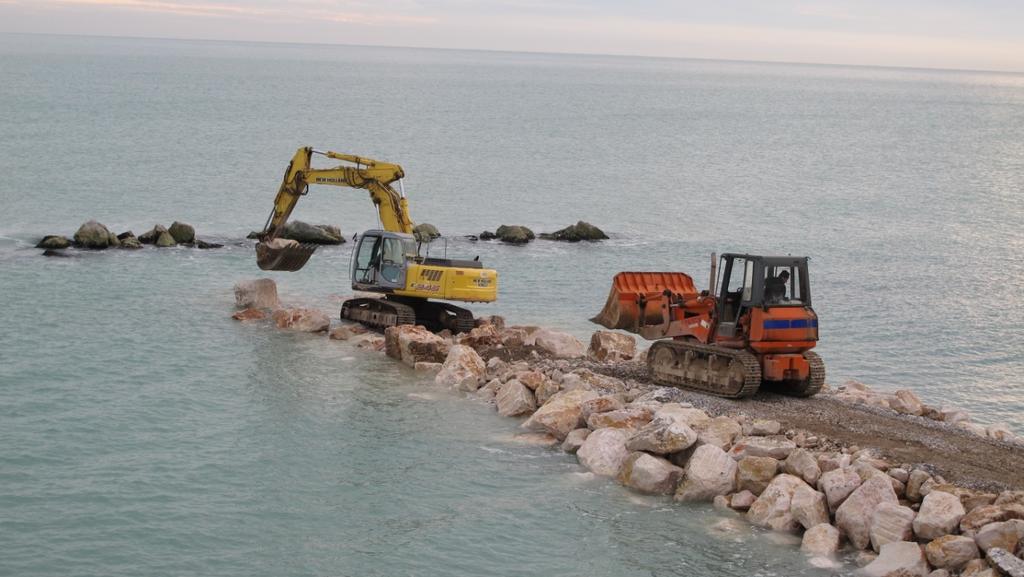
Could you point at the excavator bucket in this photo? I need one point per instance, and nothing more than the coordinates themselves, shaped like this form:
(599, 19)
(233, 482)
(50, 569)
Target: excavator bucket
(284, 255)
(636, 298)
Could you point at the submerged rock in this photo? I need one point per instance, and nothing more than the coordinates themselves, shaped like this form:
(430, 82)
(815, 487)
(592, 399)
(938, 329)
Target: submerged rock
(301, 320)
(577, 232)
(54, 242)
(93, 235)
(249, 315)
(150, 236)
(258, 293)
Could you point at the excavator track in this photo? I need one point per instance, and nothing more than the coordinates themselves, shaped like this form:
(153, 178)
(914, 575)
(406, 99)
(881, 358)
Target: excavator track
(723, 372)
(381, 313)
(812, 384)
(378, 313)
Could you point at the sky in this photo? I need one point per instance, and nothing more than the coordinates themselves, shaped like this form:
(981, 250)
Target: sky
(960, 34)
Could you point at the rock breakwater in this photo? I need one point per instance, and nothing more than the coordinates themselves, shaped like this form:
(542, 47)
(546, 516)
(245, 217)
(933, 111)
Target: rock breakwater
(847, 500)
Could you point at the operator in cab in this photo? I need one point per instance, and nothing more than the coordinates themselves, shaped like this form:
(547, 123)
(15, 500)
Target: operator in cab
(775, 287)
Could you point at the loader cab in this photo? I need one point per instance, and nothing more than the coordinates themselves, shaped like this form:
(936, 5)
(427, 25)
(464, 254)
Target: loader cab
(381, 259)
(749, 281)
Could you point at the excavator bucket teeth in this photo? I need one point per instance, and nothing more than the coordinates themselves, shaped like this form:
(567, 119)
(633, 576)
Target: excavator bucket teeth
(636, 298)
(274, 255)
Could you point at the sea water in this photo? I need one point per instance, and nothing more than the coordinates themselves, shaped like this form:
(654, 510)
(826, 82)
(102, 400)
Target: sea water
(144, 432)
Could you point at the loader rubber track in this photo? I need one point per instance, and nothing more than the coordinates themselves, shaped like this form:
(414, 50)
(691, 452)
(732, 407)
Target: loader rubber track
(719, 371)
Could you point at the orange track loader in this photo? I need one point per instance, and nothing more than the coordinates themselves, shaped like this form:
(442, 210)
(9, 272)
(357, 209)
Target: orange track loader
(753, 326)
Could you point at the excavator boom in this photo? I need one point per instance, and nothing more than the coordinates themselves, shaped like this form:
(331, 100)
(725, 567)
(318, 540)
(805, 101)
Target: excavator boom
(375, 176)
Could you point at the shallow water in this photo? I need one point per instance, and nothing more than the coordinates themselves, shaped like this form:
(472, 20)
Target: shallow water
(144, 432)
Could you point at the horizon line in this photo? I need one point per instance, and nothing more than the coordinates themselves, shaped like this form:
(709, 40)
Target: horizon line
(532, 52)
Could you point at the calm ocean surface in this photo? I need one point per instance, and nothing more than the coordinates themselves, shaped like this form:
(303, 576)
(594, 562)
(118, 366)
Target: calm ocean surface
(143, 432)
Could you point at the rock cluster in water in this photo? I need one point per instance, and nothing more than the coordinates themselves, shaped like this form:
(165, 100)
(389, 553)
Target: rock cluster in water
(95, 236)
(899, 520)
(518, 234)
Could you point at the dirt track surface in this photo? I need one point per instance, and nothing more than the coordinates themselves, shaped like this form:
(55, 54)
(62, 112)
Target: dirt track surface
(960, 457)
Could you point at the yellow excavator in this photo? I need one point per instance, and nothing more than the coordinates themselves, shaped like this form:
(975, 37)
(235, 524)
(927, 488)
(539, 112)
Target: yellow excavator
(389, 261)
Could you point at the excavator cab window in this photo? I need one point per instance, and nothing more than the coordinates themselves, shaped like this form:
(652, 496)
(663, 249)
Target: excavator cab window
(392, 264)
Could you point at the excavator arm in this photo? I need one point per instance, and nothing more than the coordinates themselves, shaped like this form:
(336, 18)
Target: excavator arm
(372, 175)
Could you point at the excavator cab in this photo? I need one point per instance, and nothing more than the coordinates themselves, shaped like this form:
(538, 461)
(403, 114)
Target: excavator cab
(381, 260)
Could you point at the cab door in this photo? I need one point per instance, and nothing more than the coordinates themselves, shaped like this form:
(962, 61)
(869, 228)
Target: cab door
(391, 272)
(365, 267)
(735, 293)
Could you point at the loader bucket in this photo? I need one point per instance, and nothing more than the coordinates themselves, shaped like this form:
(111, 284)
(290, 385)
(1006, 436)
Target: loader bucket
(636, 298)
(281, 254)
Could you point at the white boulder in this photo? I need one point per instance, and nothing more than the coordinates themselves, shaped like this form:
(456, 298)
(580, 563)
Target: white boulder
(561, 414)
(776, 447)
(822, 539)
(853, 517)
(773, 509)
(606, 346)
(558, 344)
(939, 515)
(514, 398)
(604, 452)
(709, 472)
(890, 523)
(650, 474)
(951, 552)
(259, 293)
(662, 436)
(463, 369)
(809, 507)
(898, 559)
(837, 485)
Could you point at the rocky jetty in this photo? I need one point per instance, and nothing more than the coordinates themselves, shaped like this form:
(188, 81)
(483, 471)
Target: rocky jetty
(576, 233)
(846, 502)
(93, 235)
